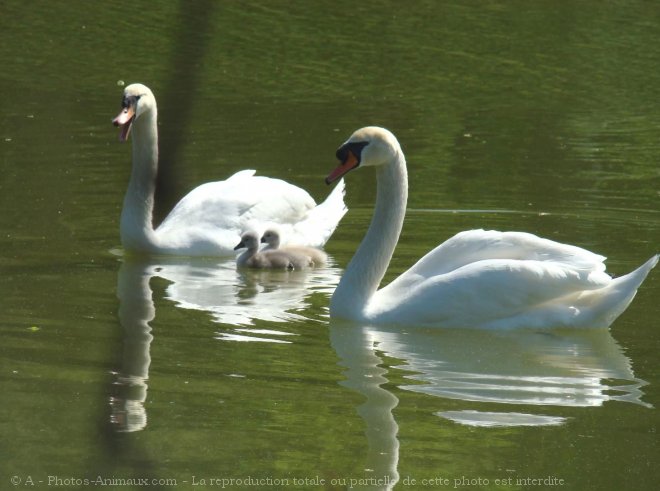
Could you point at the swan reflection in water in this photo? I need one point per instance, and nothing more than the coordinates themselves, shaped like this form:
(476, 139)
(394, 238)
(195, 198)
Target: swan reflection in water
(533, 369)
(566, 368)
(245, 296)
(234, 297)
(136, 311)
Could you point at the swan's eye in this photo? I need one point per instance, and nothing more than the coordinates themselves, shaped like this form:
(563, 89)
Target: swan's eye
(129, 101)
(342, 153)
(353, 147)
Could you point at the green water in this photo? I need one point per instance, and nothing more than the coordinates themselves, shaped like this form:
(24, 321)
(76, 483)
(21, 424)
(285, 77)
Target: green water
(534, 116)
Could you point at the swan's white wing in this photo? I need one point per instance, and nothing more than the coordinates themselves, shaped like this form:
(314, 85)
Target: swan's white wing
(478, 245)
(485, 293)
(239, 199)
(217, 212)
(482, 276)
(320, 222)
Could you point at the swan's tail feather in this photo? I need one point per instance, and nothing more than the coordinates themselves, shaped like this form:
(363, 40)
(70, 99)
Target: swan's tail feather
(321, 222)
(242, 174)
(634, 279)
(607, 306)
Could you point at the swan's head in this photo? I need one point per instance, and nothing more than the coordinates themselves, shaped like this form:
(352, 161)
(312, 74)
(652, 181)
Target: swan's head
(249, 241)
(271, 237)
(137, 100)
(367, 146)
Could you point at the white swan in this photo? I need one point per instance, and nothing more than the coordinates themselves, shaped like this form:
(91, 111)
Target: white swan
(208, 220)
(477, 278)
(268, 259)
(271, 237)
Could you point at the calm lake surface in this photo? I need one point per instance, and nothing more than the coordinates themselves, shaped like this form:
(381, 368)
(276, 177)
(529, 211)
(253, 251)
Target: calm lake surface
(535, 116)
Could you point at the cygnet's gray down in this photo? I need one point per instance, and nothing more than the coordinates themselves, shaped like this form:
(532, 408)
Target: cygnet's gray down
(268, 259)
(272, 238)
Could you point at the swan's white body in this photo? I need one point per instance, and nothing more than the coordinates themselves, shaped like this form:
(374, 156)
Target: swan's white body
(208, 220)
(478, 278)
(272, 238)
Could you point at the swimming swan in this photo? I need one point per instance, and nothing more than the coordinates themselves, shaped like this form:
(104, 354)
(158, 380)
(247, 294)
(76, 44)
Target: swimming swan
(272, 238)
(477, 278)
(208, 220)
(268, 259)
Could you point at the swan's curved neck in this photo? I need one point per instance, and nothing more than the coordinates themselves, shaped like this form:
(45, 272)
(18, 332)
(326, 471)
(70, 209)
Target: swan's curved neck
(369, 264)
(137, 231)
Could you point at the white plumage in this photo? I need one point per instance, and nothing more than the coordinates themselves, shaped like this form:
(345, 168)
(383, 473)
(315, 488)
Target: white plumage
(208, 220)
(477, 278)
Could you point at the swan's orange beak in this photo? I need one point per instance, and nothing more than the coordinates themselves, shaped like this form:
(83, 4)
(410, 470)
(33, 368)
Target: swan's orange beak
(350, 163)
(125, 120)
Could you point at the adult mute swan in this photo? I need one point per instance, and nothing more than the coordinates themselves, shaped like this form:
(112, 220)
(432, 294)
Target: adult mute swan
(208, 220)
(477, 278)
(271, 237)
(268, 259)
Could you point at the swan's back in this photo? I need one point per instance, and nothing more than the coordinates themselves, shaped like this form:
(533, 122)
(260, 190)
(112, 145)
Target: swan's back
(239, 200)
(212, 215)
(527, 282)
(476, 245)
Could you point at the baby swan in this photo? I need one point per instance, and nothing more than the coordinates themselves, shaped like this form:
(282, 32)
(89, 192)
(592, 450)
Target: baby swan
(272, 238)
(268, 259)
